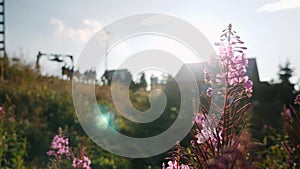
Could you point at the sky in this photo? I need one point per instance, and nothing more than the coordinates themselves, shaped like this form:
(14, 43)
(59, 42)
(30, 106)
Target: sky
(270, 28)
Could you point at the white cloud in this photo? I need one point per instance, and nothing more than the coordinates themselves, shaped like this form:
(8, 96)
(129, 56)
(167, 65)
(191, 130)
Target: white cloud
(279, 6)
(79, 34)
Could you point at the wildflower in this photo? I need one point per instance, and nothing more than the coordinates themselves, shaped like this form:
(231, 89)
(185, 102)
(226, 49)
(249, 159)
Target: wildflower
(11, 119)
(225, 54)
(2, 111)
(59, 146)
(287, 112)
(236, 70)
(83, 163)
(209, 91)
(185, 167)
(207, 134)
(220, 78)
(248, 87)
(200, 119)
(193, 143)
(297, 99)
(174, 165)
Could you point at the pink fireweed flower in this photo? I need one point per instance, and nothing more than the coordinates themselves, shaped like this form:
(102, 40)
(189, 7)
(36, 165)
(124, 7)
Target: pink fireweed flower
(185, 167)
(11, 119)
(200, 119)
(83, 163)
(208, 134)
(287, 112)
(59, 146)
(174, 165)
(248, 87)
(2, 111)
(236, 70)
(209, 92)
(225, 54)
(220, 78)
(297, 99)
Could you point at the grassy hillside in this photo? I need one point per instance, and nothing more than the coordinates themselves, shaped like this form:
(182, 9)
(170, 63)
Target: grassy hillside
(40, 105)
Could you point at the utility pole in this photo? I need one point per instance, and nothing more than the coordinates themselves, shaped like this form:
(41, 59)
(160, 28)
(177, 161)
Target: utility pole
(106, 47)
(3, 59)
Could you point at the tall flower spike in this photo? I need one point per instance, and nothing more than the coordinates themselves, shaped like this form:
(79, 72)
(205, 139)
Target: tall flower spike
(234, 59)
(59, 146)
(213, 139)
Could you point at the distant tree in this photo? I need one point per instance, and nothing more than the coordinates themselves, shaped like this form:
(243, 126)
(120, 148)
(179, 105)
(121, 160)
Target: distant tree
(285, 73)
(285, 88)
(172, 92)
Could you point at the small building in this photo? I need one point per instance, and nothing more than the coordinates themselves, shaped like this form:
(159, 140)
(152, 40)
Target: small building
(184, 74)
(252, 71)
(121, 75)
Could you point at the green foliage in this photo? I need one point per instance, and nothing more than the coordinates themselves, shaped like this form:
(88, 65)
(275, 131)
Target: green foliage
(40, 105)
(272, 152)
(12, 141)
